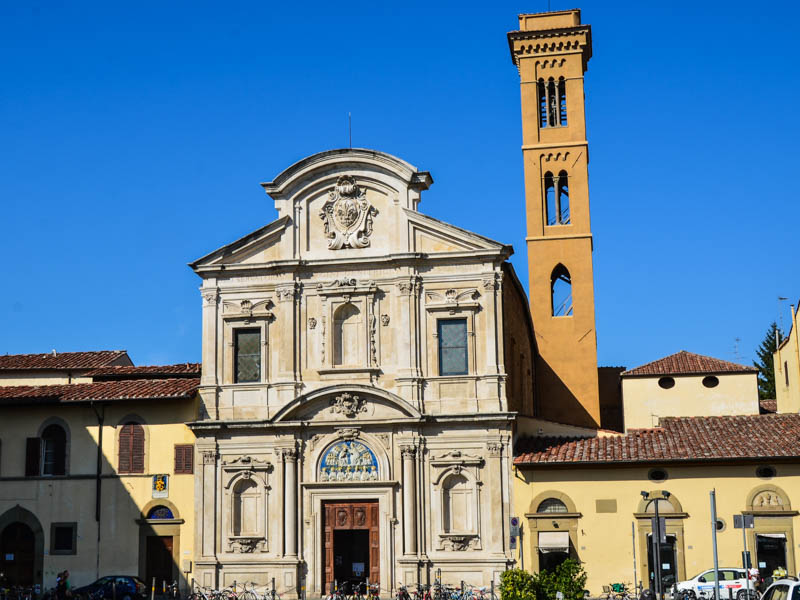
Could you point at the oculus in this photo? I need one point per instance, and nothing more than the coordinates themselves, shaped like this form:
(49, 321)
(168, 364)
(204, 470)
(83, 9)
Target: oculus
(347, 215)
(348, 460)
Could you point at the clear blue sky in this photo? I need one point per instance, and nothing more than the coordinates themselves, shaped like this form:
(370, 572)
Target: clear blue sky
(134, 136)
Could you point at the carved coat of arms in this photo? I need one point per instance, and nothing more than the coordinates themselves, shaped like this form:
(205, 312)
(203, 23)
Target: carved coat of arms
(347, 215)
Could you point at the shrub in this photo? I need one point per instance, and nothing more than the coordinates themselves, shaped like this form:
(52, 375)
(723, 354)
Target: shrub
(568, 578)
(516, 584)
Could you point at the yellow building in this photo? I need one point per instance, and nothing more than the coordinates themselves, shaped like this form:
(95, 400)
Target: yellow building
(787, 370)
(95, 476)
(687, 385)
(581, 498)
(577, 488)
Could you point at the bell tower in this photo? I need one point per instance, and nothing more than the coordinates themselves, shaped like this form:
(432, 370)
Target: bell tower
(551, 51)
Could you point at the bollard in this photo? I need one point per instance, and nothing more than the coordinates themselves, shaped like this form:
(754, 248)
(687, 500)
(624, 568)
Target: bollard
(273, 588)
(492, 588)
(114, 590)
(153, 589)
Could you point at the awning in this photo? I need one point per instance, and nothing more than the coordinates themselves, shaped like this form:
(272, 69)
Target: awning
(553, 541)
(777, 536)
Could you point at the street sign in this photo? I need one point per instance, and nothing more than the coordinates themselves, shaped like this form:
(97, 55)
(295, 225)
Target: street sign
(513, 543)
(743, 522)
(514, 529)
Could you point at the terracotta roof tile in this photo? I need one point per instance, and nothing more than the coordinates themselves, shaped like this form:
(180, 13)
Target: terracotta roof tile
(61, 360)
(686, 363)
(768, 406)
(134, 389)
(145, 372)
(677, 439)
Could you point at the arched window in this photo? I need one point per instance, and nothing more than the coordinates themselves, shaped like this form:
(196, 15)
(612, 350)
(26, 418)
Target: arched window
(131, 448)
(346, 336)
(54, 450)
(160, 512)
(457, 501)
(561, 292)
(556, 194)
(245, 507)
(552, 102)
(562, 102)
(563, 198)
(551, 505)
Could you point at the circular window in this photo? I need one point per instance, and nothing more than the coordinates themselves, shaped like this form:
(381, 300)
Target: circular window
(720, 525)
(657, 475)
(710, 381)
(765, 472)
(666, 382)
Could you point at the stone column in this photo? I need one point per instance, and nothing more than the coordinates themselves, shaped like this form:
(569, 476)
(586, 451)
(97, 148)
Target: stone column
(497, 497)
(210, 341)
(208, 520)
(290, 501)
(409, 499)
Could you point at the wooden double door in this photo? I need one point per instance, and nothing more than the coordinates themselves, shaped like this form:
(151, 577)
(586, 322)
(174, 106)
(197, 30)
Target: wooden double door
(351, 543)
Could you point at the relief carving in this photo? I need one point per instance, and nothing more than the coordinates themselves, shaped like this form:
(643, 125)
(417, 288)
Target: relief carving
(245, 545)
(348, 405)
(347, 215)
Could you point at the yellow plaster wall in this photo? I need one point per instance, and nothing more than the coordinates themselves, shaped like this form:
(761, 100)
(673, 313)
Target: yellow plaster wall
(603, 540)
(644, 401)
(787, 372)
(72, 498)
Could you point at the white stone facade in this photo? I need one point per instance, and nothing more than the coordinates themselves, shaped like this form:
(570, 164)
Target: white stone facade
(344, 293)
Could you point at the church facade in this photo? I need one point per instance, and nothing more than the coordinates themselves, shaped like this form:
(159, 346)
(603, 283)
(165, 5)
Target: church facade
(362, 365)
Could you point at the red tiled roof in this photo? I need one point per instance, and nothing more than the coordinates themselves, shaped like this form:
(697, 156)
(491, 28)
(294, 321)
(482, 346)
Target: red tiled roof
(61, 360)
(677, 439)
(134, 389)
(146, 372)
(685, 363)
(768, 406)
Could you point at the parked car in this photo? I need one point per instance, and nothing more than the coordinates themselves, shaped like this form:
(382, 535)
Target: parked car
(783, 589)
(114, 587)
(702, 585)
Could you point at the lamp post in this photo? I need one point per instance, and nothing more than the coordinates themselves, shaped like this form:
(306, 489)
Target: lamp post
(656, 533)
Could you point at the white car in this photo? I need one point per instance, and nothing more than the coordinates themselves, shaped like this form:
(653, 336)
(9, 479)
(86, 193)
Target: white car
(702, 585)
(783, 589)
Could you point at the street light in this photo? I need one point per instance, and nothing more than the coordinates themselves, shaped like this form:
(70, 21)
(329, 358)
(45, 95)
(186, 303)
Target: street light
(656, 533)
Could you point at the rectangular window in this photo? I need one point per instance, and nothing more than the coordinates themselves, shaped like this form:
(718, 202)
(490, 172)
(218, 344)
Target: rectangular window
(452, 346)
(247, 355)
(184, 459)
(33, 455)
(63, 538)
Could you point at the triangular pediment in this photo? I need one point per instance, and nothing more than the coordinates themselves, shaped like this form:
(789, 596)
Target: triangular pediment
(261, 246)
(431, 236)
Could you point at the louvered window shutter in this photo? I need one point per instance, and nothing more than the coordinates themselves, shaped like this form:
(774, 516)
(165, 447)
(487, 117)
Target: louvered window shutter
(137, 449)
(125, 436)
(184, 458)
(33, 456)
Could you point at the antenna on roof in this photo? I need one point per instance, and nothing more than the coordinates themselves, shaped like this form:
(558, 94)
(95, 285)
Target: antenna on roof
(736, 342)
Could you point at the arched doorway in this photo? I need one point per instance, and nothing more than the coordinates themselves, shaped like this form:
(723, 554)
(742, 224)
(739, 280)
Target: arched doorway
(21, 547)
(17, 554)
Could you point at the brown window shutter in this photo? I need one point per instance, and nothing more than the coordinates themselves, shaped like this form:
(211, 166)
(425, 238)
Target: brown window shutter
(125, 436)
(184, 458)
(33, 456)
(137, 449)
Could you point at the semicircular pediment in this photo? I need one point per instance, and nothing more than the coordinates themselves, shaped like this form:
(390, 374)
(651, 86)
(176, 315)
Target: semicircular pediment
(347, 403)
